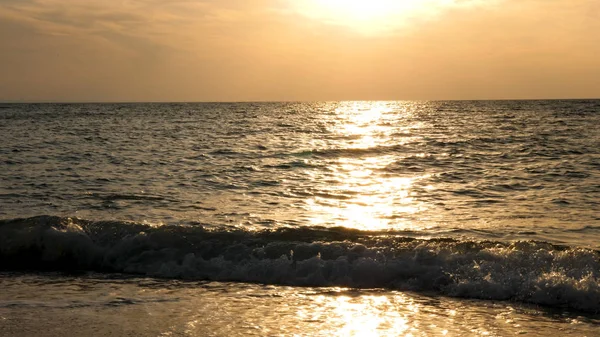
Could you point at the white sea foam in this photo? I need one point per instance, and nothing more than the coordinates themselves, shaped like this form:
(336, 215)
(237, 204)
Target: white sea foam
(533, 272)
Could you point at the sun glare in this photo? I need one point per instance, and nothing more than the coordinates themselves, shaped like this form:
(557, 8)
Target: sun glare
(362, 10)
(368, 16)
(375, 17)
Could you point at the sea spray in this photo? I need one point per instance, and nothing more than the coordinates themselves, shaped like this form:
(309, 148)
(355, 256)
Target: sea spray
(523, 271)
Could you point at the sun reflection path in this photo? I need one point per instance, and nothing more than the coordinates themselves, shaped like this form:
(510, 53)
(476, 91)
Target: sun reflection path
(366, 315)
(360, 317)
(358, 192)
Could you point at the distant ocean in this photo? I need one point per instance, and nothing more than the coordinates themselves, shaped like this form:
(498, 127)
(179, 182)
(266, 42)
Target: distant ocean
(440, 218)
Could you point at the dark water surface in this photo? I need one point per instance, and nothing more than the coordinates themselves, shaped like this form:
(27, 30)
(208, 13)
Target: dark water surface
(499, 166)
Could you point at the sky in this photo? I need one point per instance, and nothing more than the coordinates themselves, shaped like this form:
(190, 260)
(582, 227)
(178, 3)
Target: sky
(298, 50)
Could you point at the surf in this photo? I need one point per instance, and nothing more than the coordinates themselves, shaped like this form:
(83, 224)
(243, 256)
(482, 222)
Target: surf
(533, 272)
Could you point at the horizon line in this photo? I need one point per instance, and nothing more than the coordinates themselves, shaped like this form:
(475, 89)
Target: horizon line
(291, 101)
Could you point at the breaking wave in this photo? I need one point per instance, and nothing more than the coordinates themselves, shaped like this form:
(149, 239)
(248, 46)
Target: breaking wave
(524, 271)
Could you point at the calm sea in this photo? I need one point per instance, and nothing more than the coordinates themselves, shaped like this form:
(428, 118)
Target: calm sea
(335, 218)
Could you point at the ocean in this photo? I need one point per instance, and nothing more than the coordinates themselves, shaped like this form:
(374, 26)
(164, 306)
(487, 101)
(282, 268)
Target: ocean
(432, 218)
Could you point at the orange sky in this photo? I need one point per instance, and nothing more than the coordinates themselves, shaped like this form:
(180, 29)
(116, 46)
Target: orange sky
(257, 50)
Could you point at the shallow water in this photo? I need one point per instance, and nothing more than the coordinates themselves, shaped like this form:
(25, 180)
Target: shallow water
(461, 201)
(93, 305)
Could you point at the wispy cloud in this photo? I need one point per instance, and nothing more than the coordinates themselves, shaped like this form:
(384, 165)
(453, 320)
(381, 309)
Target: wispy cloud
(167, 23)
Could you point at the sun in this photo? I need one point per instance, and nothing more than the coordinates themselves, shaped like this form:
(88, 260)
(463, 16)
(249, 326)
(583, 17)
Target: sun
(368, 16)
(365, 10)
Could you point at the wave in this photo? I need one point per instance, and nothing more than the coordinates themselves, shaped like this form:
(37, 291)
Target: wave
(524, 271)
(351, 152)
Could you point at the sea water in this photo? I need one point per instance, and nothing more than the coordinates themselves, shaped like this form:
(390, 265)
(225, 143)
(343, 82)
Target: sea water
(333, 218)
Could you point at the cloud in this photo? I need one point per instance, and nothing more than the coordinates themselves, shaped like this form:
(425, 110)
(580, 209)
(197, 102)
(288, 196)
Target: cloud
(272, 49)
(128, 50)
(165, 23)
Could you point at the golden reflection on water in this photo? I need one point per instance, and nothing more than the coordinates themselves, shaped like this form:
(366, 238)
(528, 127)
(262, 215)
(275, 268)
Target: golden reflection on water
(359, 194)
(366, 315)
(361, 318)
